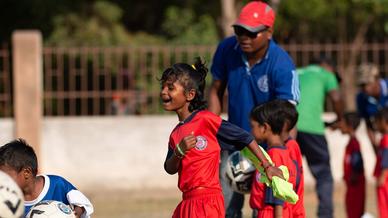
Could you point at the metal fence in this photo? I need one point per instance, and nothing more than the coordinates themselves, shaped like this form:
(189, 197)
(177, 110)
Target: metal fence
(89, 81)
(104, 81)
(5, 84)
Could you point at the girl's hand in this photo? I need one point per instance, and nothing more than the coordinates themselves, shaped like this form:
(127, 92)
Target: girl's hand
(188, 142)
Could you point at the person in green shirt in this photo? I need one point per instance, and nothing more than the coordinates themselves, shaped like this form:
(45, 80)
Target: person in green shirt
(317, 81)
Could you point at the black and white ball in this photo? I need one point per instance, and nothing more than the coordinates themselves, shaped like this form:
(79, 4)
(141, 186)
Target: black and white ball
(239, 172)
(11, 198)
(50, 209)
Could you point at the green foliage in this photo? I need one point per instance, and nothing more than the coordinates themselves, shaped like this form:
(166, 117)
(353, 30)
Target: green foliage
(101, 27)
(326, 20)
(182, 26)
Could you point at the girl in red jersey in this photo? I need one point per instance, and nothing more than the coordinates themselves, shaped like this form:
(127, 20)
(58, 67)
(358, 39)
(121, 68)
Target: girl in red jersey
(381, 169)
(353, 167)
(195, 143)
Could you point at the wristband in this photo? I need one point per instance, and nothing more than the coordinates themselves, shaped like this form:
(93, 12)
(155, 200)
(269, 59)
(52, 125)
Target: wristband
(178, 156)
(180, 150)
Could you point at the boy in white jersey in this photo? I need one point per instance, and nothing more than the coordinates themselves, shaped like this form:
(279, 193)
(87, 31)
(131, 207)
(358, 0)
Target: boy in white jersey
(19, 160)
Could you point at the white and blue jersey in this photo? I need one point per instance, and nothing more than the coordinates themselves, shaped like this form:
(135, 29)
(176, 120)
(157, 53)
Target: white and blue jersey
(59, 189)
(273, 77)
(368, 106)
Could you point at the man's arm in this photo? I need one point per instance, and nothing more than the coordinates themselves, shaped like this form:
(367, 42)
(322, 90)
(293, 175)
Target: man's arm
(336, 100)
(216, 95)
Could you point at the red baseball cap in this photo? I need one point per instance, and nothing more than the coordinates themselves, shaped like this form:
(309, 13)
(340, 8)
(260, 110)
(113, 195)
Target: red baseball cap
(255, 16)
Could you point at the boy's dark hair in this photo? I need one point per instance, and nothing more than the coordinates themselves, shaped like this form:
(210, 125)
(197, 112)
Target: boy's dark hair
(191, 77)
(276, 113)
(382, 115)
(18, 155)
(289, 109)
(352, 119)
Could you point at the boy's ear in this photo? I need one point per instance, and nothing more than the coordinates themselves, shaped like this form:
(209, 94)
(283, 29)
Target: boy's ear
(269, 33)
(27, 172)
(267, 127)
(190, 95)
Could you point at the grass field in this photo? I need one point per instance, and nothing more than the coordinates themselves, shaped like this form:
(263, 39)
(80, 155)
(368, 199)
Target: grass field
(161, 203)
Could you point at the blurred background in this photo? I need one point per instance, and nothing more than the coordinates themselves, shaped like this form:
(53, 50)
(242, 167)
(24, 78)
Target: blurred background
(78, 80)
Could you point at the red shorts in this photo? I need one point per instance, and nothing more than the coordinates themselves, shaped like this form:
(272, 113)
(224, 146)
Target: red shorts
(268, 212)
(355, 199)
(382, 200)
(202, 203)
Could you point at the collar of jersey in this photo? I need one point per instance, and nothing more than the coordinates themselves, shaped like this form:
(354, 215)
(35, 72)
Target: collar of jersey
(42, 193)
(277, 146)
(189, 118)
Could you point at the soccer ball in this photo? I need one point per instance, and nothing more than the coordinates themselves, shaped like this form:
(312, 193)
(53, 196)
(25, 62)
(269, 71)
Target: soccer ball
(50, 209)
(239, 172)
(11, 198)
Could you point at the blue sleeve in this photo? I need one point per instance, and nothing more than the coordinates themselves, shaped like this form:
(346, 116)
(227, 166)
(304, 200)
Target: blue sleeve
(286, 83)
(218, 68)
(232, 137)
(170, 152)
(356, 162)
(69, 186)
(270, 199)
(384, 159)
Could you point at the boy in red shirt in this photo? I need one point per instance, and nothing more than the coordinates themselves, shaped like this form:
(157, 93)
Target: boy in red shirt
(298, 210)
(267, 122)
(195, 143)
(381, 169)
(353, 167)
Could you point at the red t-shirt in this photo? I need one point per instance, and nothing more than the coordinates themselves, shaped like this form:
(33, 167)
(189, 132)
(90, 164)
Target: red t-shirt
(353, 163)
(296, 156)
(262, 196)
(200, 166)
(382, 156)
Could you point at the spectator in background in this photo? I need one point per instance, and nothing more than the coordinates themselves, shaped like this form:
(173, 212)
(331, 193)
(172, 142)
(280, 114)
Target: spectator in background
(316, 82)
(254, 70)
(372, 97)
(353, 167)
(119, 105)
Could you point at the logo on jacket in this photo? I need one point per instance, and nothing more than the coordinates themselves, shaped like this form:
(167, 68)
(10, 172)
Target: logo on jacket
(201, 143)
(262, 83)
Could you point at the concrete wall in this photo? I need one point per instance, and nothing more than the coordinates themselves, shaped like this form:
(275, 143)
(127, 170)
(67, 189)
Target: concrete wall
(128, 152)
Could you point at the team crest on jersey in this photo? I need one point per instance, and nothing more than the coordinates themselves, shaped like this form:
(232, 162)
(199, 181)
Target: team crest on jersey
(201, 143)
(262, 83)
(64, 208)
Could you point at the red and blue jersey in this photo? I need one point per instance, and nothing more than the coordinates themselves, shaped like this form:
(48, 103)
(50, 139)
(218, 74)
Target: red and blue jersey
(273, 77)
(292, 145)
(353, 163)
(262, 197)
(382, 156)
(200, 166)
(382, 164)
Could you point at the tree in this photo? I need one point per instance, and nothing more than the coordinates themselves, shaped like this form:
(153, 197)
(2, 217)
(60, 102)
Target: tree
(182, 26)
(101, 26)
